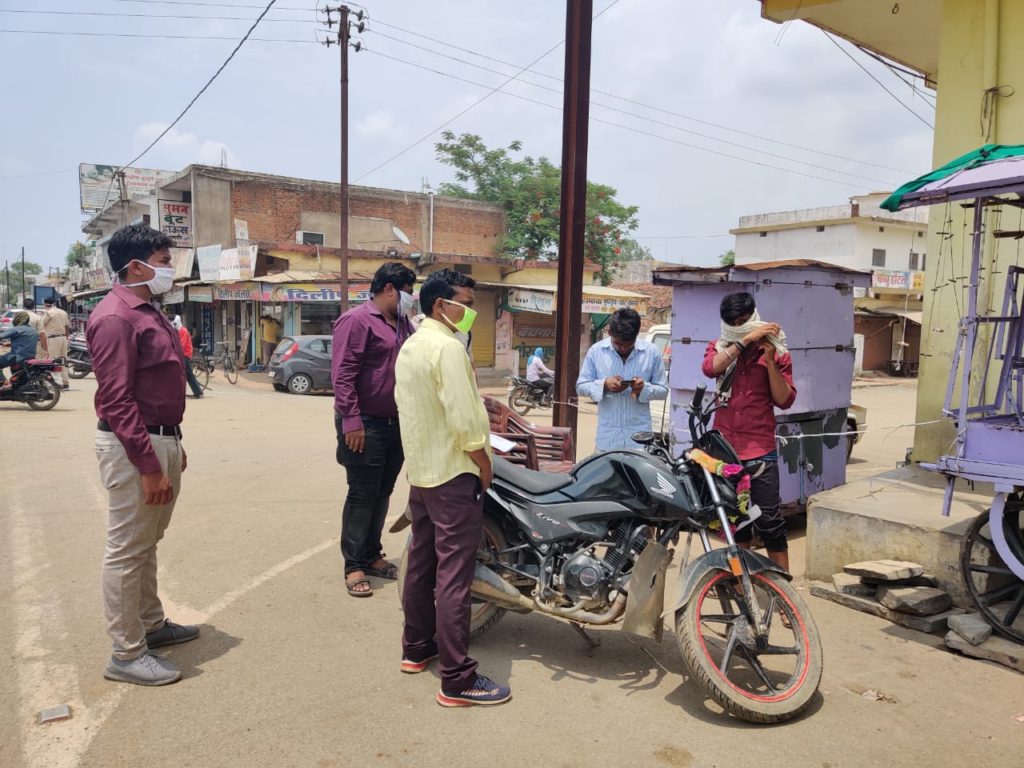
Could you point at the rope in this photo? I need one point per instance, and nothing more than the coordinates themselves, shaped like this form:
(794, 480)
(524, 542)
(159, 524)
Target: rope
(784, 440)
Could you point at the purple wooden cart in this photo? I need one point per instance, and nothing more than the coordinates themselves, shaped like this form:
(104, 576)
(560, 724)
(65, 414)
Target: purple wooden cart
(989, 444)
(813, 301)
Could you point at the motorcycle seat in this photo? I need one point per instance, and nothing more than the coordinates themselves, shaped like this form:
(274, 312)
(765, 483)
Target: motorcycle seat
(529, 480)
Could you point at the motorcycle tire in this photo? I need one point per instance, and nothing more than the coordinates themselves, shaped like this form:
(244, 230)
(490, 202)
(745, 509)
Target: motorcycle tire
(77, 373)
(741, 689)
(484, 615)
(44, 387)
(519, 401)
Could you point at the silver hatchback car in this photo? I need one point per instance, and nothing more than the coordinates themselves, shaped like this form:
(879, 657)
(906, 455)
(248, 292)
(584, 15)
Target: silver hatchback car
(301, 364)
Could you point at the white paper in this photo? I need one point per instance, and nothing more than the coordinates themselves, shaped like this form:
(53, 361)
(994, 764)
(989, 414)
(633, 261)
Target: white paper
(501, 444)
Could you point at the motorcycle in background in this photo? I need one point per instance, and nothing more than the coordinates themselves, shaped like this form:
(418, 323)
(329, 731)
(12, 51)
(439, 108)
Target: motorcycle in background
(524, 395)
(32, 383)
(78, 360)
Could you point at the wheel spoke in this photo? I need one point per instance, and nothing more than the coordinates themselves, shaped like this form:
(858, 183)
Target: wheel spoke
(995, 570)
(995, 595)
(1014, 612)
(719, 618)
(756, 666)
(986, 541)
(727, 654)
(779, 650)
(769, 612)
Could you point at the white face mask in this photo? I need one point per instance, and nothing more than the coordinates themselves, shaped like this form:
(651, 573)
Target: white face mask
(162, 280)
(404, 303)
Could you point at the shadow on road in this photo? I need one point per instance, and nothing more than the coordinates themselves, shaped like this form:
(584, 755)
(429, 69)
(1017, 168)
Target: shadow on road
(211, 644)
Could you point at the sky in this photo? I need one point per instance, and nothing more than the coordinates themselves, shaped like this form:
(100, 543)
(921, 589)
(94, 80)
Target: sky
(701, 112)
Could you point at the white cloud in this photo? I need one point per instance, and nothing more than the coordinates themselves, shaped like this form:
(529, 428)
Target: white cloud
(176, 150)
(380, 125)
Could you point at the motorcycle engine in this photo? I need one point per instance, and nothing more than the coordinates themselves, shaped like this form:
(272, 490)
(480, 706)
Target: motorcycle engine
(585, 576)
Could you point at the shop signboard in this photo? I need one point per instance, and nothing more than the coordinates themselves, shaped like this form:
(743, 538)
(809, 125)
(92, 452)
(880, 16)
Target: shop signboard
(238, 292)
(890, 279)
(230, 265)
(316, 292)
(176, 222)
(209, 262)
(543, 302)
(201, 294)
(183, 259)
(524, 300)
(173, 296)
(97, 184)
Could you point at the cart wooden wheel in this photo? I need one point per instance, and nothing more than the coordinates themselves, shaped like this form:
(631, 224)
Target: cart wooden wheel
(990, 561)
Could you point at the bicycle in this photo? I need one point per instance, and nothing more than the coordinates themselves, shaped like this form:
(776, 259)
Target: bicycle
(226, 362)
(201, 366)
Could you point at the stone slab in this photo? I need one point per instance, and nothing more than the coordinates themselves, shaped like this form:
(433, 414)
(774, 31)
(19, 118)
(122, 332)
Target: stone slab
(895, 514)
(53, 714)
(918, 601)
(932, 625)
(849, 584)
(924, 580)
(972, 627)
(884, 570)
(996, 648)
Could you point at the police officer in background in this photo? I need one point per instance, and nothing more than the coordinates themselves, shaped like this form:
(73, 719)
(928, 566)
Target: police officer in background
(56, 327)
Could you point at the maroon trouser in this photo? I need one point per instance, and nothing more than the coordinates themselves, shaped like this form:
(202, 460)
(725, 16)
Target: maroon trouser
(446, 529)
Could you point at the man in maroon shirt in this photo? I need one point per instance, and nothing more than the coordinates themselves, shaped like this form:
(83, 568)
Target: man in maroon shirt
(755, 376)
(365, 347)
(140, 401)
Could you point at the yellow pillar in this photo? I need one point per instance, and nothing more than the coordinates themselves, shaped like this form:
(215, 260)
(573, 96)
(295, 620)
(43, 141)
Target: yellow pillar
(980, 100)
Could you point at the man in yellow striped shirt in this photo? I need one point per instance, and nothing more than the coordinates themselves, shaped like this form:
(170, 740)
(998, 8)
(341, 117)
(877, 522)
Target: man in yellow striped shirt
(446, 441)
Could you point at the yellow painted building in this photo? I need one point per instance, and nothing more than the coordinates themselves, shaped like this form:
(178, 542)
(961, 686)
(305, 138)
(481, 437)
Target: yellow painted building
(972, 53)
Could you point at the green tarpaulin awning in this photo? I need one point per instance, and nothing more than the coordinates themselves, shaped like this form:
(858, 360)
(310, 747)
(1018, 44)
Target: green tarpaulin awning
(986, 154)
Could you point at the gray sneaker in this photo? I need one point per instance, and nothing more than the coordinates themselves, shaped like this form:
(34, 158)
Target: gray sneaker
(170, 634)
(147, 669)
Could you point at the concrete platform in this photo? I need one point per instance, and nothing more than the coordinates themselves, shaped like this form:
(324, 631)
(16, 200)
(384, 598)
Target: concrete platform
(895, 515)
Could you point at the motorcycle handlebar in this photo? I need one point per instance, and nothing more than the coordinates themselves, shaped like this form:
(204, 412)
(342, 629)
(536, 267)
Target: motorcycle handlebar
(698, 396)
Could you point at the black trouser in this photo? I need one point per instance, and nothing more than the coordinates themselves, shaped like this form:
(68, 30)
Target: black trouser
(770, 527)
(190, 377)
(542, 384)
(371, 479)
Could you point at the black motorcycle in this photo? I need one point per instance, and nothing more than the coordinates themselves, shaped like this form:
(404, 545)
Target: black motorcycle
(592, 547)
(524, 395)
(79, 361)
(33, 383)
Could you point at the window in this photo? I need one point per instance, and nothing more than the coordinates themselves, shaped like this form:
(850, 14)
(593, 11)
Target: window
(877, 257)
(920, 234)
(914, 261)
(762, 234)
(924, 258)
(312, 238)
(819, 228)
(881, 229)
(464, 269)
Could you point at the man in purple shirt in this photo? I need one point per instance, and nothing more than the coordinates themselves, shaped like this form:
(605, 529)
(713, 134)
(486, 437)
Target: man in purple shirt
(140, 401)
(366, 343)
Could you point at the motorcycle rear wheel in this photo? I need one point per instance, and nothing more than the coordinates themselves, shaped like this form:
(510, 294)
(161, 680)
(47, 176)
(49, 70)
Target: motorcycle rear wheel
(519, 401)
(483, 615)
(773, 685)
(45, 389)
(77, 373)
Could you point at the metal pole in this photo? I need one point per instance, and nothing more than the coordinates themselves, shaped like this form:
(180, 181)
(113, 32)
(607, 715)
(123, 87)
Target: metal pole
(575, 122)
(24, 287)
(343, 35)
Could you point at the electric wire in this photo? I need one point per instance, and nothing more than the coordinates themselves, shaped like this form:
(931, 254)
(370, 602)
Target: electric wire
(868, 72)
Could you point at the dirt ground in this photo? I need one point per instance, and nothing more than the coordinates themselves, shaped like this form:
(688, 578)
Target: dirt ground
(290, 671)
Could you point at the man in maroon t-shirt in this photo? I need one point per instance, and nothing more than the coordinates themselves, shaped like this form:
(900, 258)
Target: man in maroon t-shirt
(140, 402)
(755, 376)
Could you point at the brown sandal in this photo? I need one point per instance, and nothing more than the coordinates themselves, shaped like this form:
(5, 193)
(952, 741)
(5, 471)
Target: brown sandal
(350, 586)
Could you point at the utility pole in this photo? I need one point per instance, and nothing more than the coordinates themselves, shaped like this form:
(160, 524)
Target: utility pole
(575, 123)
(7, 274)
(24, 286)
(343, 41)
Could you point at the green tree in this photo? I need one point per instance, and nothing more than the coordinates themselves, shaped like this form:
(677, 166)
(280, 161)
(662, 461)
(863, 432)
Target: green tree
(529, 190)
(727, 259)
(79, 255)
(31, 268)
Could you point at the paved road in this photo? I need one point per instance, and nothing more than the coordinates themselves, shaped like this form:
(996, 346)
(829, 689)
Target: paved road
(290, 671)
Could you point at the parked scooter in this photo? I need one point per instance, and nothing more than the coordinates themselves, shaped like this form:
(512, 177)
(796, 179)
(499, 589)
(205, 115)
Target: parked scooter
(32, 383)
(79, 361)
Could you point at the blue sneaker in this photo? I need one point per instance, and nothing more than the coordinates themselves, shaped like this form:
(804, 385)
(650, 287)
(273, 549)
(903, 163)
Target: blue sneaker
(482, 691)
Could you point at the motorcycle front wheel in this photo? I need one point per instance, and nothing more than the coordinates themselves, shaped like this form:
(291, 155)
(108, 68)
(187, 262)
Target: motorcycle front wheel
(769, 684)
(77, 373)
(519, 401)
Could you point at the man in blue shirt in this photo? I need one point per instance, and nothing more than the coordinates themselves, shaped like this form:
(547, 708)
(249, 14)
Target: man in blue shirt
(23, 338)
(622, 375)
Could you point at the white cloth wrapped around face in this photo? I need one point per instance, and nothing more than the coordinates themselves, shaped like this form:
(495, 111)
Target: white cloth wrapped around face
(730, 334)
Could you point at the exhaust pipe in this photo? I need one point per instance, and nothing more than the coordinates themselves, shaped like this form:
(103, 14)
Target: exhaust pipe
(487, 585)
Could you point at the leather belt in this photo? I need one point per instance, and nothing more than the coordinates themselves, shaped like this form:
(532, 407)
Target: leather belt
(54, 335)
(175, 431)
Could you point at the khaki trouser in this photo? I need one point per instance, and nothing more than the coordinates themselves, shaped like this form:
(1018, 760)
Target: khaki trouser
(130, 602)
(58, 347)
